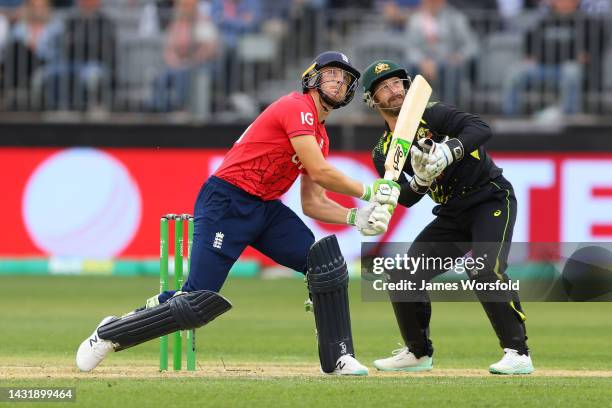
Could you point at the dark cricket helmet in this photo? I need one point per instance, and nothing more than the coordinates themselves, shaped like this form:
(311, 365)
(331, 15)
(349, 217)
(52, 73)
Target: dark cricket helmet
(311, 78)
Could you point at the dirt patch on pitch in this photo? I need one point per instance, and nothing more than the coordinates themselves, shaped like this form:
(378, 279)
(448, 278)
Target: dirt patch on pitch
(249, 370)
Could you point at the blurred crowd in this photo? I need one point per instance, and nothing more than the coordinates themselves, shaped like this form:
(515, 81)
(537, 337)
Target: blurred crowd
(558, 47)
(73, 54)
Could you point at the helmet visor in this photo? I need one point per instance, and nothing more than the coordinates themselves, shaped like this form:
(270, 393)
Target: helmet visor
(337, 84)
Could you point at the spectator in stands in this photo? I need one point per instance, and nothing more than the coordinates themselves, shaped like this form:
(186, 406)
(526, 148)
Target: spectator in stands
(440, 45)
(514, 8)
(10, 5)
(156, 17)
(10, 9)
(4, 31)
(275, 15)
(596, 7)
(291, 17)
(283, 20)
(38, 31)
(85, 75)
(234, 18)
(165, 9)
(396, 12)
(559, 49)
(191, 45)
(33, 42)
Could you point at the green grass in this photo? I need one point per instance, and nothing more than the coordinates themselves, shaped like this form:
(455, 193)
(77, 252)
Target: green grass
(342, 392)
(43, 320)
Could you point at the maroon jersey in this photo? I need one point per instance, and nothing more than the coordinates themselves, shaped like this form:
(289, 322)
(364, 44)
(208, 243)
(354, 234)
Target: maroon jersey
(262, 162)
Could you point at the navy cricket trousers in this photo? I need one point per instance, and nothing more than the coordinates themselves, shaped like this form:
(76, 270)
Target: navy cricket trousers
(227, 219)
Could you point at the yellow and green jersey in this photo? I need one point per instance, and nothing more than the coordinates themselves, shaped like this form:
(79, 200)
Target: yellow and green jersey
(461, 178)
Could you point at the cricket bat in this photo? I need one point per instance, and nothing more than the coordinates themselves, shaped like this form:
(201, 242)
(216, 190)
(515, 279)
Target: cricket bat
(407, 124)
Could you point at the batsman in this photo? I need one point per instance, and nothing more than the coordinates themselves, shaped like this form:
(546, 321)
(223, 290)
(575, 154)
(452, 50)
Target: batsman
(240, 205)
(476, 212)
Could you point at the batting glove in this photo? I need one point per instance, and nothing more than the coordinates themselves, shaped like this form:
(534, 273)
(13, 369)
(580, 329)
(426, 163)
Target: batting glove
(382, 191)
(373, 219)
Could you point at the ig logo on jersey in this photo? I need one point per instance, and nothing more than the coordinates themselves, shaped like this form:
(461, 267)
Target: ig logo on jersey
(307, 118)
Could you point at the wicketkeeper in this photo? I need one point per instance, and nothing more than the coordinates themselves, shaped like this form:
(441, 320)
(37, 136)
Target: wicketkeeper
(476, 204)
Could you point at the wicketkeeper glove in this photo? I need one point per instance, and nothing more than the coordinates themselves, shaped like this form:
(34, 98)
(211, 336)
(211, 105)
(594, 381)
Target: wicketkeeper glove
(441, 155)
(422, 179)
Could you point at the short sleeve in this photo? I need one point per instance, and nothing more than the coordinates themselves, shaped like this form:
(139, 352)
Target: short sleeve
(297, 118)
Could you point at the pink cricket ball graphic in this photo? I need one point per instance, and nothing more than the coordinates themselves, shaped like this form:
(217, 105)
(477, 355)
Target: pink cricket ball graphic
(82, 202)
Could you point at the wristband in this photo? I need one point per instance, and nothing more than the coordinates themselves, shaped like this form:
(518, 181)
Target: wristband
(418, 188)
(456, 148)
(367, 193)
(351, 216)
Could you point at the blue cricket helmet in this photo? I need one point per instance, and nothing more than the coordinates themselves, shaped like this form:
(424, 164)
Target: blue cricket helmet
(311, 76)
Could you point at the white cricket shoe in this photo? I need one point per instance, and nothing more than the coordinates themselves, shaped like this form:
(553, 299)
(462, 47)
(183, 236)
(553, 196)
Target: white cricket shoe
(512, 363)
(93, 349)
(404, 360)
(348, 365)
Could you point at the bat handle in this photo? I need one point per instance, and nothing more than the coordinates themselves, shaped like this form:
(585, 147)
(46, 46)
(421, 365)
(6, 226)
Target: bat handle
(388, 176)
(388, 207)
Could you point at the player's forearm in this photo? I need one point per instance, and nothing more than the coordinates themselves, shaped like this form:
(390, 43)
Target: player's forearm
(474, 135)
(334, 180)
(325, 210)
(470, 130)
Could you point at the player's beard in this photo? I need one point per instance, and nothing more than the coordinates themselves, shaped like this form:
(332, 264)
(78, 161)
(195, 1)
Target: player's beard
(393, 105)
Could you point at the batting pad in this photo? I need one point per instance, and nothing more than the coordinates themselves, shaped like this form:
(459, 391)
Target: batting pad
(182, 312)
(327, 277)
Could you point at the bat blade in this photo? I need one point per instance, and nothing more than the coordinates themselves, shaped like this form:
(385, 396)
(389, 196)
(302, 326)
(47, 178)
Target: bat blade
(407, 124)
